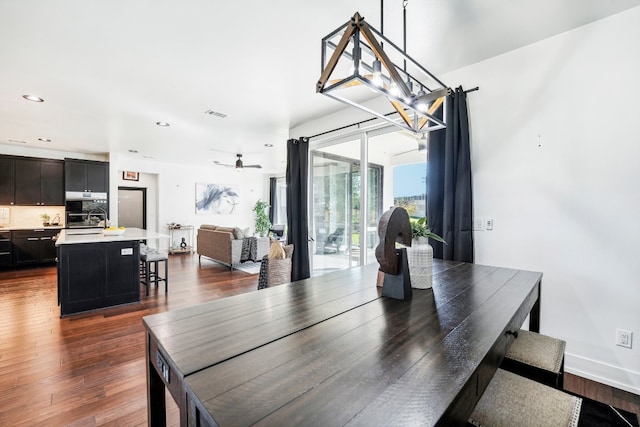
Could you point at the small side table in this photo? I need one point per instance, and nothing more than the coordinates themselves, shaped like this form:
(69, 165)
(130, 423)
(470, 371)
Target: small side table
(180, 239)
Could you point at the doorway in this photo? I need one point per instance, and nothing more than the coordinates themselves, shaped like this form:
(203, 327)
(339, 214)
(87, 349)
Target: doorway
(132, 207)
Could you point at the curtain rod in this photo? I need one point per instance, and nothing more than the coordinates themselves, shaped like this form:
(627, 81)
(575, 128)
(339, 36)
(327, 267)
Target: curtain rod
(371, 119)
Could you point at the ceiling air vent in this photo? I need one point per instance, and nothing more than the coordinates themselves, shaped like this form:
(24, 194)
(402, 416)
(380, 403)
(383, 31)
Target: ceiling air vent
(215, 113)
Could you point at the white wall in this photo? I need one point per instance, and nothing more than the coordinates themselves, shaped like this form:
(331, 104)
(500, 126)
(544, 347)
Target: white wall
(176, 191)
(555, 163)
(555, 155)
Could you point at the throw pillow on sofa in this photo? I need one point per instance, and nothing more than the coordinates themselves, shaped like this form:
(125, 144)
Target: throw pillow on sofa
(276, 251)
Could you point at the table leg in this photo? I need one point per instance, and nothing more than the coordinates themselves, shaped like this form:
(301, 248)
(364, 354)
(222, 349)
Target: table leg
(156, 407)
(534, 316)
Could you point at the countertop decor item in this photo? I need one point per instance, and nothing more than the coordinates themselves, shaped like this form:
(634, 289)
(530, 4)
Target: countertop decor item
(114, 231)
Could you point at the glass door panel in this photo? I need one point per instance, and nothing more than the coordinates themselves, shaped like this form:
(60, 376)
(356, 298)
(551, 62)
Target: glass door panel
(331, 219)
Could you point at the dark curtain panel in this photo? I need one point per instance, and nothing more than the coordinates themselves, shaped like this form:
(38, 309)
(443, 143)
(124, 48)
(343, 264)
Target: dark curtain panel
(449, 198)
(297, 210)
(272, 198)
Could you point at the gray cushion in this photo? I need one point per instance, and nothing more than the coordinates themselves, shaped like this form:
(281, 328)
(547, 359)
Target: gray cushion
(511, 400)
(154, 255)
(537, 350)
(237, 233)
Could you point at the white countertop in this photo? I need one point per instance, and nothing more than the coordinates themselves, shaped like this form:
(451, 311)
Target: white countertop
(49, 227)
(64, 238)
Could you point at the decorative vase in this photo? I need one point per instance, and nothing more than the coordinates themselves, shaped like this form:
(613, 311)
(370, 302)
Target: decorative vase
(420, 257)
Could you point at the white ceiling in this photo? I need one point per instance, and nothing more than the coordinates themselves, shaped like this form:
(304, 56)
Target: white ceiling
(109, 70)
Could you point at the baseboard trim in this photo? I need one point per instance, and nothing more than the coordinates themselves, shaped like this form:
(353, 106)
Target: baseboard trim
(603, 373)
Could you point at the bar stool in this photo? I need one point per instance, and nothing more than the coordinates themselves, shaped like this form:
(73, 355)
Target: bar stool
(512, 400)
(151, 257)
(537, 357)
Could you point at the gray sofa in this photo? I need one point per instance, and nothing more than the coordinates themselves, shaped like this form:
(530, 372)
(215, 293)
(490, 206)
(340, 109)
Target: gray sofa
(224, 244)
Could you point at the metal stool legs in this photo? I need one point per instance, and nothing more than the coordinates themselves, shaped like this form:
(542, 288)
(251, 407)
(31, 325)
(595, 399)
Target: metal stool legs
(151, 275)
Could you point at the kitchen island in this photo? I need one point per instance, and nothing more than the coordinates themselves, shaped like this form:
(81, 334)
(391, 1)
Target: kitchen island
(97, 270)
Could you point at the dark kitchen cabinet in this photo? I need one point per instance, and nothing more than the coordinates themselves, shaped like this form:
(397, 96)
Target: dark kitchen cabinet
(33, 246)
(86, 176)
(7, 186)
(97, 275)
(5, 249)
(52, 182)
(39, 182)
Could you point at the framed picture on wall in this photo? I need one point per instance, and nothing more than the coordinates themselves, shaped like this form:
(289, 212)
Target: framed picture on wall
(216, 199)
(130, 176)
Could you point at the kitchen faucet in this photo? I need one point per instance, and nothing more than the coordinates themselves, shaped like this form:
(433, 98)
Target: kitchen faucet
(104, 212)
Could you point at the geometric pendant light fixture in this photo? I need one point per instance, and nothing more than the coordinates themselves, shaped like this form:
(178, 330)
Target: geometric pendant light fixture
(362, 68)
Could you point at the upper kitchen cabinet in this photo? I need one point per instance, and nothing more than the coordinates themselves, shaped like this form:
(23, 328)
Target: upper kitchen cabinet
(86, 176)
(7, 186)
(39, 182)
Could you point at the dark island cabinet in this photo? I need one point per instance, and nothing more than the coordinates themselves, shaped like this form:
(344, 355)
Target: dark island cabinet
(39, 182)
(5, 249)
(33, 246)
(97, 275)
(86, 176)
(7, 186)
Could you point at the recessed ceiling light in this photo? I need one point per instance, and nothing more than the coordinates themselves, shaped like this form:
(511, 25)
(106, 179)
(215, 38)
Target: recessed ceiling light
(163, 124)
(17, 141)
(33, 98)
(44, 140)
(268, 145)
(133, 151)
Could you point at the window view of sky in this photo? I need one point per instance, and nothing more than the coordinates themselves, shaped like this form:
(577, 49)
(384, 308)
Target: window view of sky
(409, 180)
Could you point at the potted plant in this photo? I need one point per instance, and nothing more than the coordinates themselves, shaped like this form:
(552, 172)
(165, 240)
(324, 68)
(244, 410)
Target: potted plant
(263, 224)
(419, 228)
(46, 219)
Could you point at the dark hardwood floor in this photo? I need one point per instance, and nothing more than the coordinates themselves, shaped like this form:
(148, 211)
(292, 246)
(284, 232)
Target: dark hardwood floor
(89, 369)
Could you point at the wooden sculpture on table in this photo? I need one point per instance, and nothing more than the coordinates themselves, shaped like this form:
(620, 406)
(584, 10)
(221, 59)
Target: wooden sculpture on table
(394, 226)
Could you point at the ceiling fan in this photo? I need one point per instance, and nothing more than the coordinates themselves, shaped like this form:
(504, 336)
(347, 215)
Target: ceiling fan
(239, 165)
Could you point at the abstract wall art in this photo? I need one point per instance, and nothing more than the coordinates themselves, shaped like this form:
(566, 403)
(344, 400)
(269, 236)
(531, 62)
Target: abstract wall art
(216, 199)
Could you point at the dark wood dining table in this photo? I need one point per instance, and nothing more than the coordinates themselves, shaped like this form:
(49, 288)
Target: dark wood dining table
(331, 351)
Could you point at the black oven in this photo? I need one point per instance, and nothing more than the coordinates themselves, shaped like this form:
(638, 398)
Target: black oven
(86, 210)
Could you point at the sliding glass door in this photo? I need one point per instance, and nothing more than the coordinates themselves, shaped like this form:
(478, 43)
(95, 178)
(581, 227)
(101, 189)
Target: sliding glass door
(332, 203)
(344, 223)
(339, 218)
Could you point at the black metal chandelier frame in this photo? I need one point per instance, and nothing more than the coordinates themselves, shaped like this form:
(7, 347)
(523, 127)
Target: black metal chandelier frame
(370, 68)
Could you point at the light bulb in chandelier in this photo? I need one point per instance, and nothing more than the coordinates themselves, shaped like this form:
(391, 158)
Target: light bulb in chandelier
(377, 74)
(394, 90)
(421, 105)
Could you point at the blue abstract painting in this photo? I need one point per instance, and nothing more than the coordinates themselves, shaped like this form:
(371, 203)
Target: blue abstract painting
(216, 199)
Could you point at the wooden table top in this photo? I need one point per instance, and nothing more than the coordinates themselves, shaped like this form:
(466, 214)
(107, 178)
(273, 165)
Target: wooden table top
(331, 351)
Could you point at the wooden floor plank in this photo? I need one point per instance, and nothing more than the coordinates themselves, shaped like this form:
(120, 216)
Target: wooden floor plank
(89, 369)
